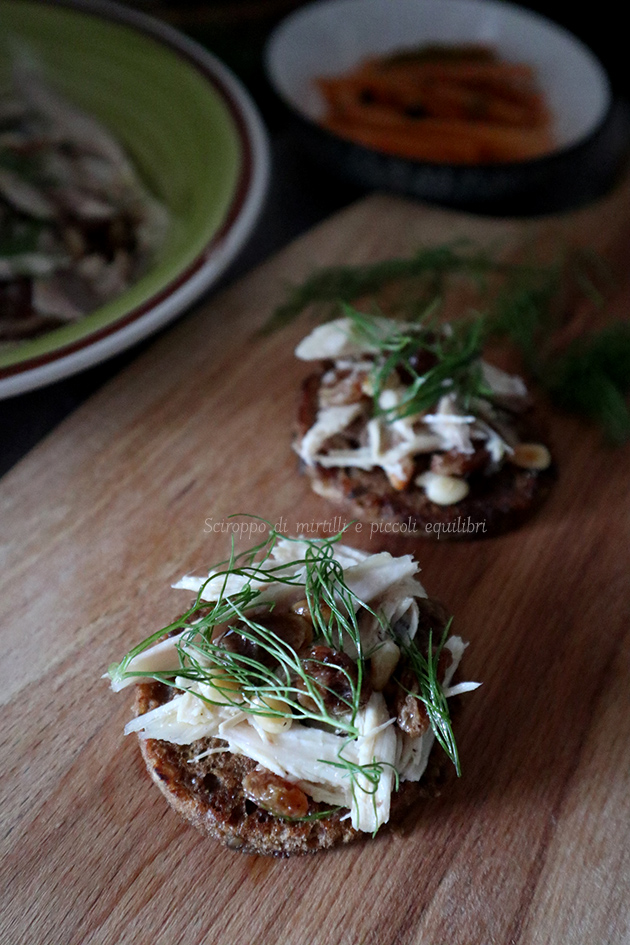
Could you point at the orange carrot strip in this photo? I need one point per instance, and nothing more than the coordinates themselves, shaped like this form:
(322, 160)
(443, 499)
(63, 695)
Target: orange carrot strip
(451, 109)
(429, 148)
(460, 142)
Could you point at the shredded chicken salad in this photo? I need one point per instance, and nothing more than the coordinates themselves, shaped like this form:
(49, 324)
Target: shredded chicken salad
(420, 404)
(77, 224)
(326, 665)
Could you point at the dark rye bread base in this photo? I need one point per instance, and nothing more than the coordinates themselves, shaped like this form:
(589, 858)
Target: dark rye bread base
(208, 794)
(496, 503)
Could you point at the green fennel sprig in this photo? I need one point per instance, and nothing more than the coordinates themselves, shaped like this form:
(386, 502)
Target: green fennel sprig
(454, 360)
(428, 272)
(592, 377)
(431, 694)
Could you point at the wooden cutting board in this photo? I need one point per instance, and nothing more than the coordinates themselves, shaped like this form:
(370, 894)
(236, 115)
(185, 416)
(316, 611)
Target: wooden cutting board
(531, 845)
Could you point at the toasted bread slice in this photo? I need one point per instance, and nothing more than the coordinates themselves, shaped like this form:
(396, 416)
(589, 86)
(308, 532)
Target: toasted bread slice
(209, 794)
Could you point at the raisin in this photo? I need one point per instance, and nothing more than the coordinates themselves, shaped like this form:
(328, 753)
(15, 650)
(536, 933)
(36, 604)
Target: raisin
(401, 697)
(274, 794)
(459, 464)
(294, 629)
(411, 714)
(433, 616)
(334, 676)
(236, 643)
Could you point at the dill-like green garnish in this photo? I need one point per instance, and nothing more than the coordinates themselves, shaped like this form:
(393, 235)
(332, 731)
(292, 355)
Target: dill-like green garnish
(281, 674)
(19, 235)
(522, 312)
(592, 377)
(524, 304)
(454, 361)
(330, 287)
(202, 660)
(431, 693)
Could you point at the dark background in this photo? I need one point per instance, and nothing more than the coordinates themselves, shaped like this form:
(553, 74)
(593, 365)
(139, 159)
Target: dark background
(236, 31)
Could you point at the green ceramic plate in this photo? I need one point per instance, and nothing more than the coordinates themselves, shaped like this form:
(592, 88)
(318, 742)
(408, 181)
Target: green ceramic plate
(192, 132)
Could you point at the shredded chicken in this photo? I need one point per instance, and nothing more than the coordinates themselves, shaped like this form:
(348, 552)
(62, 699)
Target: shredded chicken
(77, 225)
(385, 592)
(348, 432)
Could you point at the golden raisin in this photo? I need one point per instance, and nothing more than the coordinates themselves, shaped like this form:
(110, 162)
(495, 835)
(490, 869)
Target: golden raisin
(275, 794)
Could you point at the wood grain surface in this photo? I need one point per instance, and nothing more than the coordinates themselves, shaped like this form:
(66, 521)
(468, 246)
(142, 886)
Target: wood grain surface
(531, 845)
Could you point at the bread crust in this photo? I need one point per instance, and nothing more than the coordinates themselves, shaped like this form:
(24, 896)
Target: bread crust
(208, 793)
(496, 503)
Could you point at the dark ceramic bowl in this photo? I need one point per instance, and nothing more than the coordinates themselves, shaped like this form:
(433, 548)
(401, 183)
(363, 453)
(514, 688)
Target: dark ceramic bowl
(331, 36)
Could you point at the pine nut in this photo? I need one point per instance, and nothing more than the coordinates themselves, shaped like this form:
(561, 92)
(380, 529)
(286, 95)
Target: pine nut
(400, 477)
(531, 456)
(443, 490)
(383, 662)
(223, 689)
(271, 723)
(302, 609)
